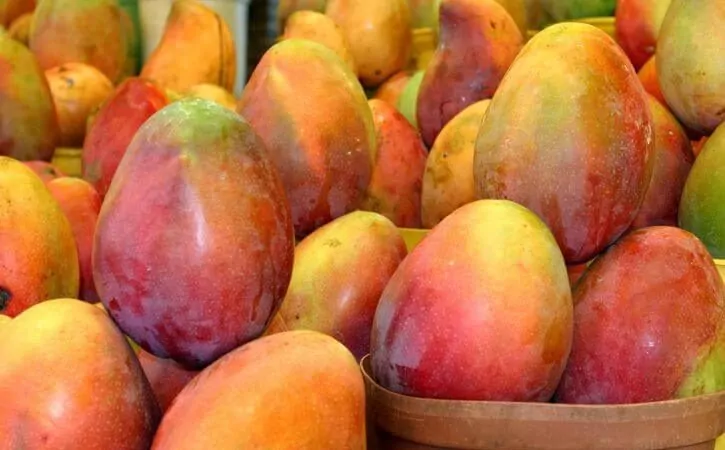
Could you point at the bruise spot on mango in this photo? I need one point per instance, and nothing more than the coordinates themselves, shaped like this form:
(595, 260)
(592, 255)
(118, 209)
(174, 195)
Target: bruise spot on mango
(5, 297)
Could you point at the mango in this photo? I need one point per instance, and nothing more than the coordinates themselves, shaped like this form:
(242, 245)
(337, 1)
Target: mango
(702, 208)
(69, 377)
(497, 311)
(215, 256)
(569, 135)
(448, 179)
(299, 389)
(196, 47)
(133, 102)
(77, 89)
(649, 322)
(39, 260)
(20, 28)
(286, 8)
(690, 65)
(28, 124)
(4, 320)
(478, 42)
(379, 35)
(81, 204)
(312, 114)
(11, 10)
(395, 187)
(214, 93)
(517, 9)
(340, 270)
(637, 27)
(320, 28)
(408, 100)
(88, 31)
(673, 160)
(391, 90)
(648, 77)
(45, 170)
(166, 377)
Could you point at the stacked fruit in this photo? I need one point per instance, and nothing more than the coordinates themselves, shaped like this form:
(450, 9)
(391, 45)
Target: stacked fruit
(247, 253)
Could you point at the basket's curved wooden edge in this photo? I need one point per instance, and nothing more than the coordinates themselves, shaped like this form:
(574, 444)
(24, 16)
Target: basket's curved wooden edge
(684, 423)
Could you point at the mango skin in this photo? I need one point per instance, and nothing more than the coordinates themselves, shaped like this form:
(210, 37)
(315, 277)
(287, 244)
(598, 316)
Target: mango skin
(637, 27)
(69, 376)
(558, 160)
(379, 34)
(691, 69)
(77, 90)
(340, 271)
(81, 204)
(478, 42)
(39, 260)
(497, 311)
(448, 179)
(166, 377)
(308, 394)
(408, 100)
(395, 187)
(312, 114)
(83, 31)
(665, 275)
(648, 76)
(45, 170)
(28, 125)
(320, 28)
(196, 47)
(194, 283)
(391, 90)
(702, 211)
(118, 120)
(673, 160)
(10, 10)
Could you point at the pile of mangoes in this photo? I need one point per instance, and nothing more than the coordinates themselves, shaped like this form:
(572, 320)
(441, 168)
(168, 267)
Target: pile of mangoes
(216, 273)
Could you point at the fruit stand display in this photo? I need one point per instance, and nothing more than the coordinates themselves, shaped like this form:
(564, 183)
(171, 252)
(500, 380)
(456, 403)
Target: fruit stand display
(418, 224)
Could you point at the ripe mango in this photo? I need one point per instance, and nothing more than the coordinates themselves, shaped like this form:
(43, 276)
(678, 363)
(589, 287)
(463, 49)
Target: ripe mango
(113, 127)
(448, 179)
(297, 390)
(673, 160)
(194, 244)
(320, 28)
(395, 187)
(70, 380)
(39, 260)
(490, 288)
(89, 31)
(313, 116)
(691, 65)
(28, 123)
(637, 27)
(196, 47)
(340, 270)
(478, 42)
(649, 322)
(81, 204)
(379, 35)
(77, 90)
(569, 135)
